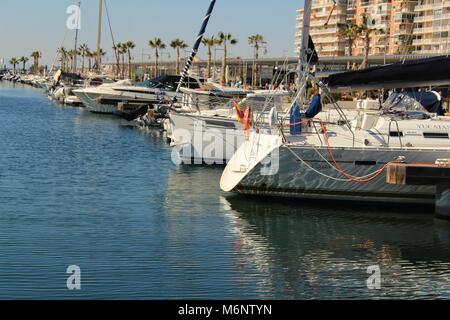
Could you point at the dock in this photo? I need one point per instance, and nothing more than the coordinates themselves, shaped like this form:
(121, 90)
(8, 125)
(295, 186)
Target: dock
(425, 175)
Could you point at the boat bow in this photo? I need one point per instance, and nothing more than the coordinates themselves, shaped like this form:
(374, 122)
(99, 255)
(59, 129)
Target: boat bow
(252, 152)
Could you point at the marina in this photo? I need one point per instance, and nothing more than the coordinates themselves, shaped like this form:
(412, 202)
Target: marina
(285, 183)
(108, 198)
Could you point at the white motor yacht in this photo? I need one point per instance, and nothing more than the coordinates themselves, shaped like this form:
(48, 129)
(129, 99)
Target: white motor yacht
(106, 98)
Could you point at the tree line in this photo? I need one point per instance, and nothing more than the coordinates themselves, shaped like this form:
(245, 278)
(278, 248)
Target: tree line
(123, 55)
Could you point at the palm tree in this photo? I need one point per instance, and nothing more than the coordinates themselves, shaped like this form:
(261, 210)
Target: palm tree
(117, 56)
(210, 43)
(121, 51)
(350, 32)
(14, 61)
(366, 32)
(91, 56)
(158, 45)
(84, 50)
(98, 55)
(224, 39)
(76, 53)
(255, 41)
(62, 57)
(129, 45)
(71, 56)
(36, 55)
(24, 60)
(178, 44)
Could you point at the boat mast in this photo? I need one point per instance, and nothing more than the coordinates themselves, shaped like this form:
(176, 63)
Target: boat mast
(99, 34)
(303, 60)
(197, 44)
(76, 39)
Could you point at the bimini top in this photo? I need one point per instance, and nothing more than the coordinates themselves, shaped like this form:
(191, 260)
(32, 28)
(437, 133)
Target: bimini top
(414, 73)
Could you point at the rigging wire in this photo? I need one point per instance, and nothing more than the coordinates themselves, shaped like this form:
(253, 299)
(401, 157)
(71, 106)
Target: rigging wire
(112, 34)
(57, 53)
(348, 177)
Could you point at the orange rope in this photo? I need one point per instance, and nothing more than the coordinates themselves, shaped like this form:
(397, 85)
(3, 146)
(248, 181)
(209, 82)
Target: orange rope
(339, 168)
(336, 164)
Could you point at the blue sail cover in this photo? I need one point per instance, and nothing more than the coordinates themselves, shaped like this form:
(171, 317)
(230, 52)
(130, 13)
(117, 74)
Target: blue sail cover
(412, 100)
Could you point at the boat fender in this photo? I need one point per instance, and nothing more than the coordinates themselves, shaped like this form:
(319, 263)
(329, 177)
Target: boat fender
(239, 113)
(295, 120)
(247, 119)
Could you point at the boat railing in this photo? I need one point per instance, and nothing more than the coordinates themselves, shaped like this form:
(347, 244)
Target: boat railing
(317, 132)
(398, 133)
(341, 113)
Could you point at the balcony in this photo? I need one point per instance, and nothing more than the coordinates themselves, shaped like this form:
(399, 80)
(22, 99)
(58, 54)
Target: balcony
(431, 17)
(424, 7)
(429, 6)
(431, 51)
(430, 29)
(316, 23)
(322, 14)
(328, 48)
(324, 31)
(333, 40)
(430, 41)
(366, 3)
(423, 30)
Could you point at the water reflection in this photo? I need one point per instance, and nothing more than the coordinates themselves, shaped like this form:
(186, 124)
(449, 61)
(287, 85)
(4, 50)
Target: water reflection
(85, 189)
(326, 250)
(304, 250)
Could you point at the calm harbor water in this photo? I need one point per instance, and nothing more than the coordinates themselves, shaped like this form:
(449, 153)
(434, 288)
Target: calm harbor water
(80, 189)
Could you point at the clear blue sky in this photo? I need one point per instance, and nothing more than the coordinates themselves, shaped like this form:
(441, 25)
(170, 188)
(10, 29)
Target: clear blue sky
(28, 25)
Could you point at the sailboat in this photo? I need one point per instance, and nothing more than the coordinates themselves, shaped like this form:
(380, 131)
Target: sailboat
(347, 160)
(205, 129)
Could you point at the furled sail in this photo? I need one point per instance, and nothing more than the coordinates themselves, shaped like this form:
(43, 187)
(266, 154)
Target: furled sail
(197, 44)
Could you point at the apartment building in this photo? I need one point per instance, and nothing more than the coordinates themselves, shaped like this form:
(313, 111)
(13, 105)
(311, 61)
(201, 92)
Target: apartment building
(325, 24)
(378, 13)
(432, 26)
(403, 26)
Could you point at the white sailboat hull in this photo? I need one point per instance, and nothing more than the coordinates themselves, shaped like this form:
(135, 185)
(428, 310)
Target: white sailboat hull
(204, 139)
(295, 178)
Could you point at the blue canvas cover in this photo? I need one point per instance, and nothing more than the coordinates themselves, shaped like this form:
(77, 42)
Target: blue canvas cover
(296, 117)
(414, 101)
(315, 107)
